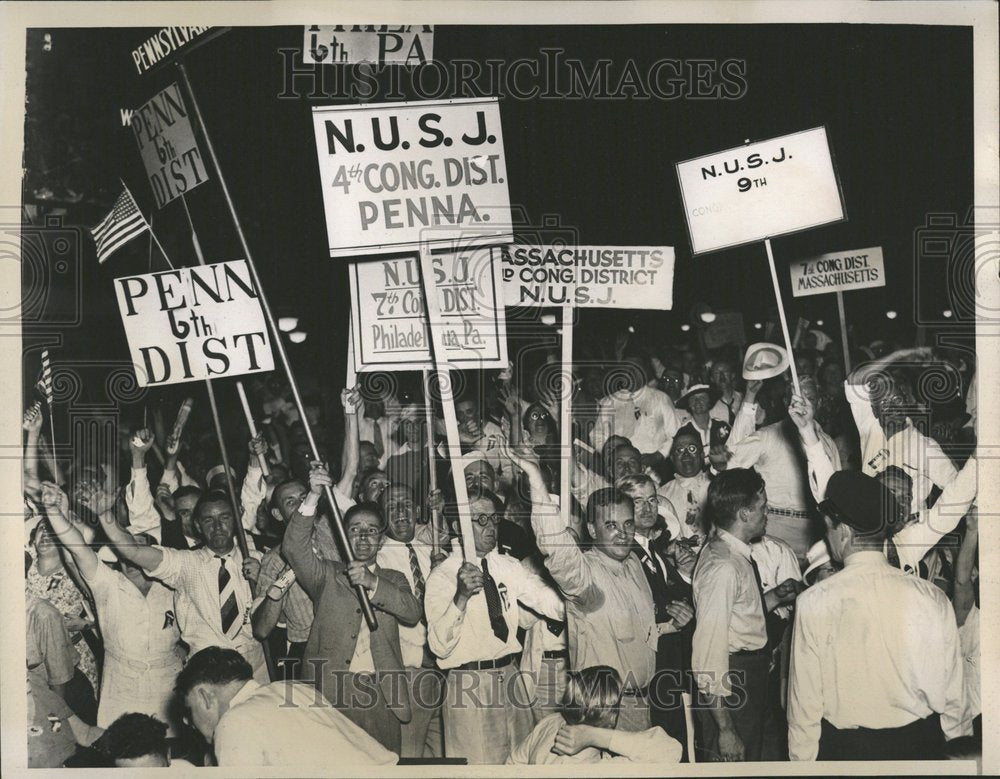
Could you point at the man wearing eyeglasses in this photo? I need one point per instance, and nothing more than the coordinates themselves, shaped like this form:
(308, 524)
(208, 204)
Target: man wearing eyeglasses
(473, 610)
(687, 492)
(672, 600)
(357, 670)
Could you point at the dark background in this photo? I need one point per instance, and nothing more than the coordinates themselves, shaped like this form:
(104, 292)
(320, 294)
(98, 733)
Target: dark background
(896, 102)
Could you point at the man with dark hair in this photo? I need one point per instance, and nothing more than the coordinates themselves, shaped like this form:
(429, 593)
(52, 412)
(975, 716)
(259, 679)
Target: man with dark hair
(609, 606)
(730, 635)
(876, 669)
(136, 741)
(474, 608)
(211, 584)
(358, 670)
(281, 724)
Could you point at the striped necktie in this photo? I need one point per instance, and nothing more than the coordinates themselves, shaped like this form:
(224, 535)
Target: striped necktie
(418, 579)
(228, 609)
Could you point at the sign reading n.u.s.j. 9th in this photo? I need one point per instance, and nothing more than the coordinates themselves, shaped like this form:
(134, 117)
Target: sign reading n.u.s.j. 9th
(194, 323)
(760, 190)
(396, 176)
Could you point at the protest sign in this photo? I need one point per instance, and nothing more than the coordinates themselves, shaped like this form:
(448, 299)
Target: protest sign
(587, 276)
(194, 323)
(165, 43)
(392, 173)
(379, 44)
(838, 272)
(167, 146)
(760, 190)
(727, 328)
(390, 320)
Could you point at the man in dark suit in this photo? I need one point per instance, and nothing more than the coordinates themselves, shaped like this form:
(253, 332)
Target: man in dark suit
(672, 602)
(357, 670)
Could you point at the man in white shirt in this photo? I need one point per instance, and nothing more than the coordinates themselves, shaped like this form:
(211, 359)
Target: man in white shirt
(212, 595)
(882, 399)
(876, 669)
(402, 551)
(687, 493)
(644, 415)
(473, 615)
(285, 724)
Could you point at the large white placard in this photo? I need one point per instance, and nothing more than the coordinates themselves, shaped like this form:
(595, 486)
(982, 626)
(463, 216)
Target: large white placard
(390, 324)
(760, 190)
(398, 175)
(838, 272)
(194, 323)
(587, 276)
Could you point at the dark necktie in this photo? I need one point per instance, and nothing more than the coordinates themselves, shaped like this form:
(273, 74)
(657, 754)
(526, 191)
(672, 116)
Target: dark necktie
(760, 586)
(228, 610)
(378, 442)
(493, 605)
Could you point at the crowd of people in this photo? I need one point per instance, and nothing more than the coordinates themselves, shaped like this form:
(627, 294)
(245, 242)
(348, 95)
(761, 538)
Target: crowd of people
(746, 566)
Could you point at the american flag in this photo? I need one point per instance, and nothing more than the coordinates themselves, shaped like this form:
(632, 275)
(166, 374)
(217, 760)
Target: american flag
(124, 223)
(45, 385)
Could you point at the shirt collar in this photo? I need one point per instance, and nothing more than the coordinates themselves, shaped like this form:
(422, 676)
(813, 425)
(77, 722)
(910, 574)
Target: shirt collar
(867, 557)
(734, 543)
(642, 541)
(245, 692)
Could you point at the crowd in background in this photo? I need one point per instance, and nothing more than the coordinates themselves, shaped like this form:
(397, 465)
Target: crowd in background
(742, 569)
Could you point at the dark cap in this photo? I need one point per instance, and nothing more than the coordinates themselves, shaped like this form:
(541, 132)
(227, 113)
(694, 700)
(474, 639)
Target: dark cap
(860, 502)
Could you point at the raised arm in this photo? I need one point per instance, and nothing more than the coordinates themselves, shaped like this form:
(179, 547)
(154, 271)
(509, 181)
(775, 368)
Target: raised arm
(820, 466)
(254, 488)
(32, 424)
(350, 454)
(146, 557)
(297, 543)
(142, 513)
(56, 505)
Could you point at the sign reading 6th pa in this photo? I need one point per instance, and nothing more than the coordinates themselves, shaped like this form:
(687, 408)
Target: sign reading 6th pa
(398, 175)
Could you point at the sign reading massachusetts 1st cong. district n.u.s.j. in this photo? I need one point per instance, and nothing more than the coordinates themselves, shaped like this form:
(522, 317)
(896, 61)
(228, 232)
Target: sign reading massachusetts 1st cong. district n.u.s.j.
(396, 176)
(194, 323)
(760, 190)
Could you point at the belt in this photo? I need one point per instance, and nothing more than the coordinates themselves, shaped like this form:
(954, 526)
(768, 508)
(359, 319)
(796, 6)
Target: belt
(165, 661)
(556, 654)
(634, 692)
(794, 513)
(487, 665)
(751, 652)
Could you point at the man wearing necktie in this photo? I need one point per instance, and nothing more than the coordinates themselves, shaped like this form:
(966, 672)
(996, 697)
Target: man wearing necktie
(729, 649)
(211, 584)
(473, 609)
(403, 551)
(360, 671)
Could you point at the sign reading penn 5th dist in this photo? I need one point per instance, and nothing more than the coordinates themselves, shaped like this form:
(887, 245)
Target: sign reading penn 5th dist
(760, 190)
(396, 176)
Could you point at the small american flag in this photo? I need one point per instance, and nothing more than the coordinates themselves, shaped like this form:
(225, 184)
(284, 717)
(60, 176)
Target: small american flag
(124, 223)
(45, 385)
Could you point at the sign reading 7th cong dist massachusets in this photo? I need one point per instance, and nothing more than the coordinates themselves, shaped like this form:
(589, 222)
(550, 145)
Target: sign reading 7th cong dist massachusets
(389, 318)
(194, 323)
(398, 175)
(760, 190)
(838, 272)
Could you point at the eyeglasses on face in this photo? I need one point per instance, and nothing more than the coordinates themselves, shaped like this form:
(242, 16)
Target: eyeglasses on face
(364, 532)
(652, 502)
(689, 449)
(534, 416)
(484, 520)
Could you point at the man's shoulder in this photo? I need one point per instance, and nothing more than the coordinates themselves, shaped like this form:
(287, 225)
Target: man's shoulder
(445, 570)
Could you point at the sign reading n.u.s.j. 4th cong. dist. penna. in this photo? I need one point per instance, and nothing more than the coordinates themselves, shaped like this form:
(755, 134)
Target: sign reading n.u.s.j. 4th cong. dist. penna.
(396, 176)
